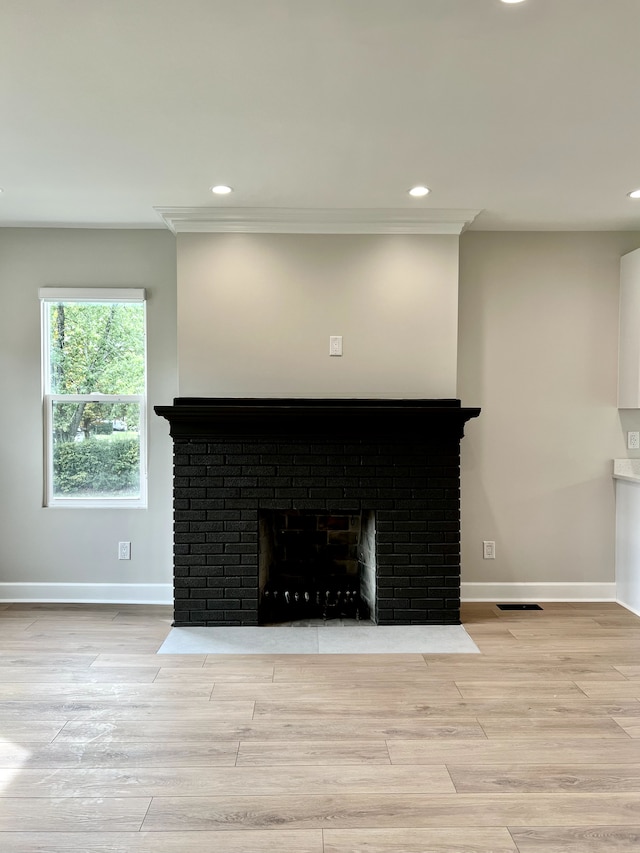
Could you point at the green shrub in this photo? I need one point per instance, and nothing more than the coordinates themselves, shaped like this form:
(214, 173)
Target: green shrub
(103, 428)
(96, 465)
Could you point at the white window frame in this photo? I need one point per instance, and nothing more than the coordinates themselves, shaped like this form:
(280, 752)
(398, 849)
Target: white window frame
(50, 295)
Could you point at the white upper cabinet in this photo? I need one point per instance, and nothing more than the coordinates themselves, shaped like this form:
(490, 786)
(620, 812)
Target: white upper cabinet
(629, 340)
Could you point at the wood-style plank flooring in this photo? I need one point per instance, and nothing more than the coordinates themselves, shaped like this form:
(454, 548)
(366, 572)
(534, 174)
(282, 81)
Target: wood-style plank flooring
(531, 747)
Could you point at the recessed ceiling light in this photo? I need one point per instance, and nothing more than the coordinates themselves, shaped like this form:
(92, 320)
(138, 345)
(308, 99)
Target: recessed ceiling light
(513, 1)
(419, 192)
(221, 189)
(634, 194)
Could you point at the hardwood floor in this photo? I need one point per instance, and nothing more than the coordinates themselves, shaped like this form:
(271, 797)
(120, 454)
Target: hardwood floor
(531, 747)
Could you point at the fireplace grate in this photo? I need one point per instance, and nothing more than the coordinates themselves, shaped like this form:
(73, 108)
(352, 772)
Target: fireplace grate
(285, 603)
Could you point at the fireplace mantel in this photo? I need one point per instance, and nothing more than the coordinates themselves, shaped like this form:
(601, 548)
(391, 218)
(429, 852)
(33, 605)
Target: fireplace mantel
(207, 416)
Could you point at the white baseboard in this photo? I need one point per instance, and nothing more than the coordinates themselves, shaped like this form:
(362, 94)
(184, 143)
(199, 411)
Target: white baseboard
(517, 593)
(633, 610)
(88, 593)
(160, 593)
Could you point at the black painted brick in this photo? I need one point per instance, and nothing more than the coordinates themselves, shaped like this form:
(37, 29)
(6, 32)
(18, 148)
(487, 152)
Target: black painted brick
(441, 592)
(413, 548)
(235, 592)
(200, 616)
(223, 536)
(247, 571)
(242, 526)
(409, 614)
(238, 457)
(241, 482)
(189, 470)
(226, 515)
(291, 493)
(393, 560)
(396, 602)
(206, 526)
(208, 571)
(225, 470)
(239, 503)
(180, 592)
(346, 505)
(208, 504)
(207, 459)
(358, 493)
(439, 617)
(360, 471)
(207, 548)
(205, 592)
(394, 515)
(189, 559)
(219, 603)
(241, 548)
(443, 548)
(221, 582)
(223, 559)
(187, 446)
(415, 493)
(426, 579)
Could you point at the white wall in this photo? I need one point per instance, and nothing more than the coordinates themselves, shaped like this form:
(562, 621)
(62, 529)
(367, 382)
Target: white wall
(538, 352)
(255, 313)
(79, 546)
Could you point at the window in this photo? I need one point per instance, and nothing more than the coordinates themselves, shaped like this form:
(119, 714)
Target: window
(94, 383)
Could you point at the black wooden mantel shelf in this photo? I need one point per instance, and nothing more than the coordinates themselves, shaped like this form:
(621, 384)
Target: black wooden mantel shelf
(209, 416)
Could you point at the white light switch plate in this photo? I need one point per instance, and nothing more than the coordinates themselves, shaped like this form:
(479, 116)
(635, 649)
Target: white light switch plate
(335, 345)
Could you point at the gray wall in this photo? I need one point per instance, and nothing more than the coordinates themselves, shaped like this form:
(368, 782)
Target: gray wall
(60, 545)
(255, 313)
(538, 351)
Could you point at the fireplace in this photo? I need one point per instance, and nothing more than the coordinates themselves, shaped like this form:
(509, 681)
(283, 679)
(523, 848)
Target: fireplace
(315, 564)
(243, 467)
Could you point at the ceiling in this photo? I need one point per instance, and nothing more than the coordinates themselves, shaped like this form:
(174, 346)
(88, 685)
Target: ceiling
(529, 112)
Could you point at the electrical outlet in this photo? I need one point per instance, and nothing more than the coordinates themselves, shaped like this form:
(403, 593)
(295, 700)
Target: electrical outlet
(488, 549)
(124, 550)
(633, 440)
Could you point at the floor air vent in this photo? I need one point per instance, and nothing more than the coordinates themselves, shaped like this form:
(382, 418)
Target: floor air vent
(519, 607)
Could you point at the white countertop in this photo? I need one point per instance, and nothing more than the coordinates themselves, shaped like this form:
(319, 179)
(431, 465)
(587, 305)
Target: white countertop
(626, 469)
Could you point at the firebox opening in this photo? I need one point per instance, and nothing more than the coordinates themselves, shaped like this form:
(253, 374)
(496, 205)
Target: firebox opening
(316, 565)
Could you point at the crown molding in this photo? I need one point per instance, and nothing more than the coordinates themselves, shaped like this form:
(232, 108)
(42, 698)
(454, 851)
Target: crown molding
(277, 220)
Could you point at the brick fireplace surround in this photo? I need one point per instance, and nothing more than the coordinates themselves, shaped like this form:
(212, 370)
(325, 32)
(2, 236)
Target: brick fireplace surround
(234, 458)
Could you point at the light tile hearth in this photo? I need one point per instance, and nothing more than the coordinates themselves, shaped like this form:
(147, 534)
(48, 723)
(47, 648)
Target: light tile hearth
(328, 639)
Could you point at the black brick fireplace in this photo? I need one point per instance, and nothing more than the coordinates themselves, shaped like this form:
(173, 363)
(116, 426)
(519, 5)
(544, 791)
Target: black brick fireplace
(394, 461)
